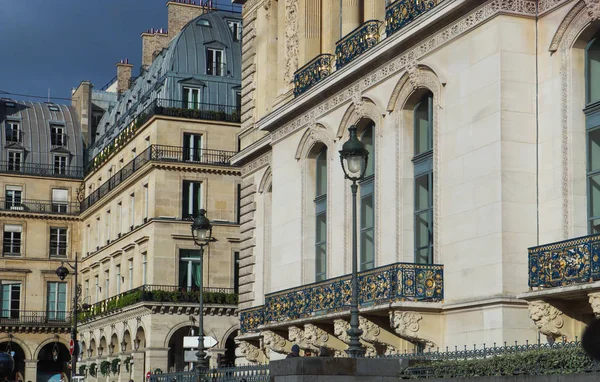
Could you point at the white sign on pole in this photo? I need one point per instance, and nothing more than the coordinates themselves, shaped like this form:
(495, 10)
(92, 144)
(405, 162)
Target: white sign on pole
(190, 356)
(192, 342)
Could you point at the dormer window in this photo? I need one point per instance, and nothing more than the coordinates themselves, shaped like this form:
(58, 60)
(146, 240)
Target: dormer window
(15, 160)
(191, 98)
(9, 104)
(204, 23)
(60, 164)
(236, 30)
(13, 132)
(215, 62)
(58, 138)
(53, 107)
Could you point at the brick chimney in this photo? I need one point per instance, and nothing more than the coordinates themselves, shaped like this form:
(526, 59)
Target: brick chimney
(182, 12)
(123, 75)
(153, 41)
(81, 100)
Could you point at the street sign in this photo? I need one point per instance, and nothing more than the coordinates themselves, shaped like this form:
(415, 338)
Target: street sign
(190, 356)
(190, 342)
(71, 347)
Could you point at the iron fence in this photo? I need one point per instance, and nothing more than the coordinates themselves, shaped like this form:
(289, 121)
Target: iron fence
(40, 206)
(357, 42)
(251, 373)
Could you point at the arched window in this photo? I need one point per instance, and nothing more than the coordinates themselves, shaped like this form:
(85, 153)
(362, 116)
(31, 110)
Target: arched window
(321, 215)
(592, 112)
(367, 210)
(423, 162)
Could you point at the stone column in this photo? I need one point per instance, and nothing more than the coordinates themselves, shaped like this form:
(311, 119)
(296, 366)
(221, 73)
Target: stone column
(350, 15)
(138, 368)
(310, 39)
(214, 356)
(156, 358)
(30, 370)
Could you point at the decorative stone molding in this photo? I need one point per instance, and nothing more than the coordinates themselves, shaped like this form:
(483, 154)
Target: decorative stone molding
(296, 335)
(251, 352)
(547, 318)
(275, 342)
(594, 299)
(314, 134)
(406, 325)
(547, 5)
(261, 161)
(564, 25)
(340, 330)
(291, 39)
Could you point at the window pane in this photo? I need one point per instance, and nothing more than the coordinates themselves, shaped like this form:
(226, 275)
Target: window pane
(422, 192)
(594, 150)
(366, 211)
(594, 72)
(422, 256)
(321, 262)
(367, 139)
(367, 250)
(321, 173)
(422, 127)
(594, 195)
(422, 229)
(321, 228)
(595, 226)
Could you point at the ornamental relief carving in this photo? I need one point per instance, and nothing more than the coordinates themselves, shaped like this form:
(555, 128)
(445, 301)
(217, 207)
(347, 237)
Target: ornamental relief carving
(547, 318)
(250, 352)
(275, 342)
(296, 336)
(593, 9)
(594, 300)
(406, 325)
(291, 39)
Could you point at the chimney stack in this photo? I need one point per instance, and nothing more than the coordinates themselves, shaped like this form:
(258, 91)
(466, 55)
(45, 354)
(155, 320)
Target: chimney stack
(123, 75)
(81, 100)
(153, 41)
(182, 12)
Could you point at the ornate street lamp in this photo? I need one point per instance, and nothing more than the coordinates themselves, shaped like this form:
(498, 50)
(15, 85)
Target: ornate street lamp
(123, 345)
(136, 344)
(62, 272)
(111, 348)
(89, 352)
(100, 350)
(202, 235)
(354, 158)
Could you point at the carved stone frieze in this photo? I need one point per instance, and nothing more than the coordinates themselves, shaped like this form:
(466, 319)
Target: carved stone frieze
(256, 164)
(547, 318)
(275, 342)
(593, 8)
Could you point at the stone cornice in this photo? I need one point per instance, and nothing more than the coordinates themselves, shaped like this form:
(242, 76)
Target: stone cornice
(38, 215)
(253, 166)
(426, 46)
(545, 6)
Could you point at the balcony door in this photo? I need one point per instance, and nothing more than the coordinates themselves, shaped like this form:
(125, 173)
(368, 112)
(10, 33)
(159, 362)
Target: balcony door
(192, 147)
(57, 301)
(192, 199)
(189, 269)
(11, 299)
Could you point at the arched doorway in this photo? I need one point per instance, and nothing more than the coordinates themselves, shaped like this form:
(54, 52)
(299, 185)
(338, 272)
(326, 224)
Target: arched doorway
(52, 360)
(230, 345)
(18, 356)
(176, 350)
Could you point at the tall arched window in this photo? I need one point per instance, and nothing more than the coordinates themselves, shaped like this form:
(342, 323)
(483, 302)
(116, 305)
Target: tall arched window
(367, 211)
(592, 113)
(423, 162)
(321, 215)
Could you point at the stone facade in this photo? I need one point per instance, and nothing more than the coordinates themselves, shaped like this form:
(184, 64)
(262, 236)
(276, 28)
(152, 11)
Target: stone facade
(508, 160)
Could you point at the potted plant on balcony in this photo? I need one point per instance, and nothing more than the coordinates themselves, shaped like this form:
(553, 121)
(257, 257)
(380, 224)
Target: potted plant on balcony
(104, 368)
(115, 365)
(94, 369)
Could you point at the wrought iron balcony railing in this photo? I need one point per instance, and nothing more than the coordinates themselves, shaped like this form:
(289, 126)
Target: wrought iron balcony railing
(357, 42)
(40, 206)
(71, 172)
(158, 293)
(401, 12)
(395, 282)
(313, 72)
(160, 153)
(166, 107)
(34, 318)
(565, 262)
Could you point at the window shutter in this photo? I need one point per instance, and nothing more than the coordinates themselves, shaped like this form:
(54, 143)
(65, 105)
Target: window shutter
(60, 195)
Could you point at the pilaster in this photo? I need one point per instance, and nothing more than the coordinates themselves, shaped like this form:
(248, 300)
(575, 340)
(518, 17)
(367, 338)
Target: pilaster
(30, 370)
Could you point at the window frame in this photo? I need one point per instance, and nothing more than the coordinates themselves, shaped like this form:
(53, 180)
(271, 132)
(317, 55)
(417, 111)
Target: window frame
(60, 168)
(214, 63)
(320, 203)
(12, 167)
(59, 244)
(195, 105)
(9, 127)
(15, 240)
(367, 190)
(185, 196)
(56, 314)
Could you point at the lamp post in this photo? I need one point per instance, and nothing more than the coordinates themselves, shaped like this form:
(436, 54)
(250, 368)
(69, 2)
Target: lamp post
(354, 157)
(202, 235)
(62, 272)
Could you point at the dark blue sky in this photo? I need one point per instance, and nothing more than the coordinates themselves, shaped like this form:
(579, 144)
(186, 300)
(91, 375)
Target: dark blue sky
(58, 43)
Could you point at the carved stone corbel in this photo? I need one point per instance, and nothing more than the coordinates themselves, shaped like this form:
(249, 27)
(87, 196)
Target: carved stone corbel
(593, 9)
(276, 343)
(317, 338)
(340, 330)
(406, 325)
(547, 318)
(251, 352)
(594, 299)
(297, 337)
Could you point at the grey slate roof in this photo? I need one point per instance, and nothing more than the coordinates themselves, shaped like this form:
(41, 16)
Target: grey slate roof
(34, 120)
(183, 62)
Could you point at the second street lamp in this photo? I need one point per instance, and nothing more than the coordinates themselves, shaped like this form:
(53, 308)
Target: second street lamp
(202, 235)
(354, 157)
